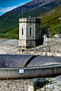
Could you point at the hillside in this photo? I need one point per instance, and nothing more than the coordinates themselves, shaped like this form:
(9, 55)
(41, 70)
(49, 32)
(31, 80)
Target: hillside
(35, 8)
(53, 20)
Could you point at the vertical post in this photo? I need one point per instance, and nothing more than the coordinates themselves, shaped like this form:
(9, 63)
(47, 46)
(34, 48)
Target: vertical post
(22, 11)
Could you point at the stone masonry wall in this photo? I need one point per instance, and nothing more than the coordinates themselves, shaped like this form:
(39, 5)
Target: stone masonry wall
(29, 32)
(16, 85)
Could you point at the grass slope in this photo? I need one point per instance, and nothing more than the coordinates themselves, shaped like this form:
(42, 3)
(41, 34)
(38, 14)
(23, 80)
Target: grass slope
(53, 20)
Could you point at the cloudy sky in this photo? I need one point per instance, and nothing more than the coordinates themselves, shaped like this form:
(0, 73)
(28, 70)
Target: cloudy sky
(7, 5)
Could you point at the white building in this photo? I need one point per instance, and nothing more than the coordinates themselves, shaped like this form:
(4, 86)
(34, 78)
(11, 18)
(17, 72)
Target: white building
(29, 32)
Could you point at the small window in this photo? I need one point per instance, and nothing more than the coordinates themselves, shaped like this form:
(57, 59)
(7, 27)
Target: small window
(22, 31)
(30, 22)
(30, 31)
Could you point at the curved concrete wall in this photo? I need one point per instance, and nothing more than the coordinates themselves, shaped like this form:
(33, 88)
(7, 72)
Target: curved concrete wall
(13, 73)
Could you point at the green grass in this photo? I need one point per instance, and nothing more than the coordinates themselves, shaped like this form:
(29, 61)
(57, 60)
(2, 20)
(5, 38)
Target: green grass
(50, 81)
(51, 19)
(15, 30)
(8, 36)
(13, 34)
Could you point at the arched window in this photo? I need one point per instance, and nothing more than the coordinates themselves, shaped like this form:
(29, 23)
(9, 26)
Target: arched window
(30, 31)
(22, 31)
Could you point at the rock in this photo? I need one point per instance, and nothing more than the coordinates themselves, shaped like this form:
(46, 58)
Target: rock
(55, 85)
(56, 36)
(40, 82)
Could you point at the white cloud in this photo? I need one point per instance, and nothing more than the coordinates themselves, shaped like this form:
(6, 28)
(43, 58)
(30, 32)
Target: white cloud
(3, 10)
(6, 9)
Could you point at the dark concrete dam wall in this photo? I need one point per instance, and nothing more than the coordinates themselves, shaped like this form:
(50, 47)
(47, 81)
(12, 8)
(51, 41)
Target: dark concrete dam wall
(16, 73)
(28, 66)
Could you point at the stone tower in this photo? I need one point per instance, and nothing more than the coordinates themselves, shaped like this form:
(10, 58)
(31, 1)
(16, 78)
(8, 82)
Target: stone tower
(29, 32)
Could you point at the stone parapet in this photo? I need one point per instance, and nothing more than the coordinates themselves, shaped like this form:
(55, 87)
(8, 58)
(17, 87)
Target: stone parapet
(29, 20)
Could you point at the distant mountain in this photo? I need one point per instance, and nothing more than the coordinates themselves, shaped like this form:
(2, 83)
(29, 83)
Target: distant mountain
(35, 8)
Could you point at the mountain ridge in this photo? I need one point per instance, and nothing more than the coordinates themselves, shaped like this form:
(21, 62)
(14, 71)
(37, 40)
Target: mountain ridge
(34, 9)
(33, 3)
